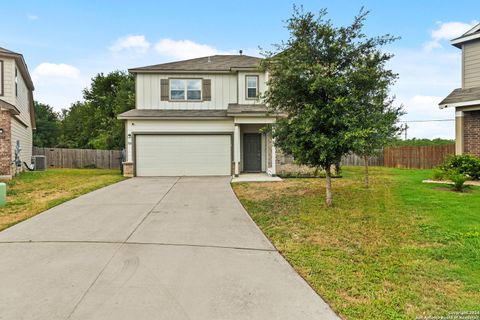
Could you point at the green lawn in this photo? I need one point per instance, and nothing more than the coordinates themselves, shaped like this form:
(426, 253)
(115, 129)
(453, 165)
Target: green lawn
(398, 250)
(33, 192)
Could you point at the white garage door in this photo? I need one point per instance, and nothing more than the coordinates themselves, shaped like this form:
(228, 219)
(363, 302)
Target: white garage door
(183, 155)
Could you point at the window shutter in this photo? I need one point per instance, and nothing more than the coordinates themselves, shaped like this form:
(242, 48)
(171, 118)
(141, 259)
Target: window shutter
(164, 94)
(207, 89)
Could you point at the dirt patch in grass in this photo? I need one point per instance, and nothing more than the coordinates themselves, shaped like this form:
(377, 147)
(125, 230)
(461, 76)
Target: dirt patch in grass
(292, 187)
(34, 192)
(451, 189)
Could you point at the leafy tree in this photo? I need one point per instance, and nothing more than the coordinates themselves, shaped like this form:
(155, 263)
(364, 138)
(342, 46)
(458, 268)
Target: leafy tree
(376, 117)
(48, 132)
(79, 126)
(312, 80)
(93, 123)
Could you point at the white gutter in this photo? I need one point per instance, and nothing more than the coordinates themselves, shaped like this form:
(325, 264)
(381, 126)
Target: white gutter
(460, 104)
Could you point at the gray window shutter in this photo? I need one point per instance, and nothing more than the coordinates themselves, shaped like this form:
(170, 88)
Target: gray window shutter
(164, 94)
(207, 89)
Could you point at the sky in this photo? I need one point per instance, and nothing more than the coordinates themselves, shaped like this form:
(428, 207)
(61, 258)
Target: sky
(66, 43)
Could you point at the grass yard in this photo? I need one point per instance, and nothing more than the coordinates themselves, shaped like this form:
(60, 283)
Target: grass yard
(399, 250)
(33, 192)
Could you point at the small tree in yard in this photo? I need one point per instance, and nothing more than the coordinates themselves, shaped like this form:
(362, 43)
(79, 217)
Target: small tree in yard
(313, 81)
(376, 116)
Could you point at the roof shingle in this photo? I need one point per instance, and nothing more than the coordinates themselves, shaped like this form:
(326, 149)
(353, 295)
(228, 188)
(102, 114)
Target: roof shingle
(163, 113)
(461, 95)
(212, 63)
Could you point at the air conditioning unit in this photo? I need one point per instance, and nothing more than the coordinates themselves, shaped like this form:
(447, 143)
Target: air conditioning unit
(39, 163)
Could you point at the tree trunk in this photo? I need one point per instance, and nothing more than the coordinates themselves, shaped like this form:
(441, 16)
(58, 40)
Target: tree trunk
(366, 171)
(328, 186)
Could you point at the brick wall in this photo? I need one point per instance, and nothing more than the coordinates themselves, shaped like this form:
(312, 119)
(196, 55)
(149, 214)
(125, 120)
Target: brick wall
(5, 144)
(471, 132)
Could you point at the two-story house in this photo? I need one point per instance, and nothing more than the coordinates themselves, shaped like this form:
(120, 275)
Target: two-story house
(466, 100)
(199, 117)
(17, 117)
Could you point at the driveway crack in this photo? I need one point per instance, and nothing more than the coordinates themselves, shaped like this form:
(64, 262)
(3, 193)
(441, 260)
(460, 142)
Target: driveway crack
(151, 210)
(116, 251)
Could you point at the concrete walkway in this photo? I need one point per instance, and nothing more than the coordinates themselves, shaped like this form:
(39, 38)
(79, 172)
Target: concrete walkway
(150, 248)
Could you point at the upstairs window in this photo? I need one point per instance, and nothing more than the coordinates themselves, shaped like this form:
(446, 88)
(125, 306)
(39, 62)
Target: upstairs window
(252, 87)
(185, 89)
(16, 82)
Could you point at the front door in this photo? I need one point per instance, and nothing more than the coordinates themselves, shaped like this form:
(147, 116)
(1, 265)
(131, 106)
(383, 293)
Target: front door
(252, 152)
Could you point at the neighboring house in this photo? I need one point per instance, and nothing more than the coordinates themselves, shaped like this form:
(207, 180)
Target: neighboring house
(17, 118)
(466, 100)
(199, 117)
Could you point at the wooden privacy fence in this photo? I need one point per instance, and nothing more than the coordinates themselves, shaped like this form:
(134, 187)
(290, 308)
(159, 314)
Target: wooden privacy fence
(80, 158)
(354, 160)
(421, 157)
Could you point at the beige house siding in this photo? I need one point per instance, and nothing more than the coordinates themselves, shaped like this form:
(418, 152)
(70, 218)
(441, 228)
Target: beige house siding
(471, 65)
(8, 80)
(242, 95)
(223, 91)
(172, 126)
(21, 100)
(21, 127)
(24, 135)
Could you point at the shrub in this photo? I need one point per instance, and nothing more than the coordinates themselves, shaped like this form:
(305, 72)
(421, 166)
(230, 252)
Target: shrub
(458, 180)
(439, 174)
(466, 164)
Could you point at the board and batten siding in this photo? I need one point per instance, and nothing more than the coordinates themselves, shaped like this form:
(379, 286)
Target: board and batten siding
(21, 100)
(172, 126)
(8, 80)
(148, 91)
(242, 95)
(24, 135)
(471, 65)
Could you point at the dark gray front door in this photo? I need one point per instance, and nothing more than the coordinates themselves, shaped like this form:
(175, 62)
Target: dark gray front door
(252, 152)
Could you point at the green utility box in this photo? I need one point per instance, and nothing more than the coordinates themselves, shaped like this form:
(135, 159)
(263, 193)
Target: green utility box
(3, 194)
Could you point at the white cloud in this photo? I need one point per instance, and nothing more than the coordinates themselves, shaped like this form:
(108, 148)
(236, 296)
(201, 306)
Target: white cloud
(422, 107)
(186, 49)
(425, 78)
(32, 17)
(447, 31)
(58, 84)
(133, 43)
(55, 71)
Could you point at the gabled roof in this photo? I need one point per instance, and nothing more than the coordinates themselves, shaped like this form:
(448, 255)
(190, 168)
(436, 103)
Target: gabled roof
(216, 63)
(461, 98)
(472, 34)
(21, 64)
(3, 50)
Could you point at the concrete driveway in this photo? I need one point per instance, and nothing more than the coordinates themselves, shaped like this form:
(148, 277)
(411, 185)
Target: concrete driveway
(150, 248)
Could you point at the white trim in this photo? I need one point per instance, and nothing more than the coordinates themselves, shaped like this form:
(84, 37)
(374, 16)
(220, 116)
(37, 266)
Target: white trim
(236, 149)
(274, 158)
(460, 104)
(253, 120)
(463, 39)
(256, 77)
(459, 114)
(473, 30)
